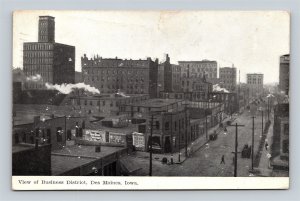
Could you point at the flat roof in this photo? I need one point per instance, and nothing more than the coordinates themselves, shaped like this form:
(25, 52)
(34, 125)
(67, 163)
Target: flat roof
(202, 61)
(109, 96)
(122, 130)
(61, 164)
(70, 157)
(22, 147)
(157, 102)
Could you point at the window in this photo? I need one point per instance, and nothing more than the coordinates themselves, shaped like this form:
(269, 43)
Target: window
(85, 102)
(59, 133)
(157, 125)
(285, 146)
(167, 125)
(286, 129)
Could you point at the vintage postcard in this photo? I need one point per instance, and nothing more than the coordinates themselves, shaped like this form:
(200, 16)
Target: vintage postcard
(143, 100)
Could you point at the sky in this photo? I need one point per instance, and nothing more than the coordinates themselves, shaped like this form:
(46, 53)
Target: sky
(252, 41)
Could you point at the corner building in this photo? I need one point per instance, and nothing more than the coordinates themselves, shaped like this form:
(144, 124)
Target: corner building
(55, 62)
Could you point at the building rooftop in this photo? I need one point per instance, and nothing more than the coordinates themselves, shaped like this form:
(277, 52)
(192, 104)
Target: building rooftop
(157, 103)
(70, 157)
(61, 164)
(22, 147)
(202, 61)
(122, 130)
(109, 96)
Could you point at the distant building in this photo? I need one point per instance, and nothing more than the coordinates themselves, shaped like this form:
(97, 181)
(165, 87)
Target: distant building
(104, 104)
(54, 62)
(171, 76)
(193, 89)
(284, 73)
(128, 76)
(199, 69)
(230, 101)
(255, 83)
(228, 78)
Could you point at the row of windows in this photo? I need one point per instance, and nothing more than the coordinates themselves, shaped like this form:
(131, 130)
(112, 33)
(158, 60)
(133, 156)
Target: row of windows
(38, 46)
(111, 103)
(97, 78)
(37, 69)
(38, 60)
(38, 54)
(259, 81)
(103, 72)
(180, 124)
(203, 69)
(203, 65)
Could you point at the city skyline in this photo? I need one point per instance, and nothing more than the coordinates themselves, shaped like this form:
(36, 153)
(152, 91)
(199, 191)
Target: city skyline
(254, 45)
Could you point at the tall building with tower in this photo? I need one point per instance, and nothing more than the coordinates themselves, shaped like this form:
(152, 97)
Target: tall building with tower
(284, 73)
(228, 78)
(255, 83)
(53, 62)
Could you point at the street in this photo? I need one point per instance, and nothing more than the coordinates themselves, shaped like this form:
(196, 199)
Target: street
(207, 160)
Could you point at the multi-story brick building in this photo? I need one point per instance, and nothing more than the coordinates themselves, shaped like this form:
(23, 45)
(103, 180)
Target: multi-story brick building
(199, 68)
(255, 83)
(228, 78)
(193, 89)
(284, 73)
(104, 104)
(128, 76)
(171, 76)
(170, 122)
(54, 62)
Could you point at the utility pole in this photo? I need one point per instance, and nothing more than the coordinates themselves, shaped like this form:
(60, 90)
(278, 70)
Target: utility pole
(150, 142)
(262, 122)
(186, 130)
(151, 132)
(66, 128)
(236, 146)
(268, 109)
(206, 127)
(252, 151)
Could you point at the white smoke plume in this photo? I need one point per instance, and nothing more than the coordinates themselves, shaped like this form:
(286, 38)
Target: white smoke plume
(217, 88)
(68, 88)
(121, 94)
(34, 78)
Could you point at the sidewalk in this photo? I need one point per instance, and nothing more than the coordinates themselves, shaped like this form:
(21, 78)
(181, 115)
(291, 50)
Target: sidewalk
(264, 168)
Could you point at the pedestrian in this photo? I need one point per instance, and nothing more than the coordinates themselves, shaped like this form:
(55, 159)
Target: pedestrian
(222, 160)
(266, 146)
